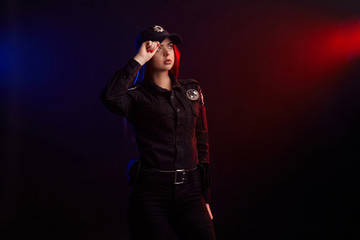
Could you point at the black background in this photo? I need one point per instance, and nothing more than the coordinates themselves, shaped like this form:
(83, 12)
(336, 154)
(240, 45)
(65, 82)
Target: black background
(284, 132)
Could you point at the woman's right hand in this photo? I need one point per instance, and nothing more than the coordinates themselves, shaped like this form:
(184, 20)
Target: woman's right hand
(146, 51)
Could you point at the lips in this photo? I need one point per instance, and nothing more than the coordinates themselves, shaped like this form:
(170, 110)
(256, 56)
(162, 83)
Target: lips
(167, 62)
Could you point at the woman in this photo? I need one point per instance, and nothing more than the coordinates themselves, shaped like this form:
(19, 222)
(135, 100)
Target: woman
(170, 179)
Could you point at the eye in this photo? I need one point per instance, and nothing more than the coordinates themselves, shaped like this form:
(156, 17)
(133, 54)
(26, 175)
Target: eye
(171, 46)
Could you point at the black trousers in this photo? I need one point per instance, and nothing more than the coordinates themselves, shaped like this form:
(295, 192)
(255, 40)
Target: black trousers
(161, 210)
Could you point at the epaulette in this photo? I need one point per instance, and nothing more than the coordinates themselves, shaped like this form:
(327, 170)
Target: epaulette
(188, 81)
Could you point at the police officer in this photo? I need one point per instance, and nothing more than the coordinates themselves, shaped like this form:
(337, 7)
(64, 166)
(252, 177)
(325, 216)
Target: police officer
(170, 179)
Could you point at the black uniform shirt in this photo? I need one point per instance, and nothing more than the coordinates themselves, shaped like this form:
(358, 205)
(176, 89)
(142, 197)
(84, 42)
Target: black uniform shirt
(171, 130)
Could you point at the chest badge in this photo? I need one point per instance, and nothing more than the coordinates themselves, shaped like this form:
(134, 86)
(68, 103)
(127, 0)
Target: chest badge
(192, 94)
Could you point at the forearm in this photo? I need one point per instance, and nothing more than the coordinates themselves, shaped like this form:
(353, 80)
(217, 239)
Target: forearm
(120, 81)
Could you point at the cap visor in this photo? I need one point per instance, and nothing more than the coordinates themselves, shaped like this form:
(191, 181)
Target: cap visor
(175, 38)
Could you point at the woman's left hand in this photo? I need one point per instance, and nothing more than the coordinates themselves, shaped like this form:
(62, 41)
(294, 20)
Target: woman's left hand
(209, 211)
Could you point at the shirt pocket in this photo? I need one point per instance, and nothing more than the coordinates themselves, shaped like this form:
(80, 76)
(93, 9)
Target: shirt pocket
(160, 110)
(145, 110)
(162, 117)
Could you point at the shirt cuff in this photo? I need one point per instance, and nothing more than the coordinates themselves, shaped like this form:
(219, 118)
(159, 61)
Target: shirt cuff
(133, 65)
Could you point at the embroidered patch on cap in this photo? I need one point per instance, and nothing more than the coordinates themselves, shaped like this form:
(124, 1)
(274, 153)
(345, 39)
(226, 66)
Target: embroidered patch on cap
(158, 29)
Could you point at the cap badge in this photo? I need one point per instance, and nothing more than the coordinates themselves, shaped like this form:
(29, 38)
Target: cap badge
(192, 94)
(158, 29)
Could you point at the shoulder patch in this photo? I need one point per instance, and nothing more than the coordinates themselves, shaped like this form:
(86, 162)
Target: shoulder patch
(188, 81)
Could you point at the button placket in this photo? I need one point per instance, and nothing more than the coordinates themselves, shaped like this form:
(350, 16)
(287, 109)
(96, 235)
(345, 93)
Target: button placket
(177, 103)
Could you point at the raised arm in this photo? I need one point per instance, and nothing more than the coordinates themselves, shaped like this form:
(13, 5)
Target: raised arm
(114, 95)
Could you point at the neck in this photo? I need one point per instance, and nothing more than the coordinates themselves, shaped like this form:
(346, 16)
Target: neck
(162, 79)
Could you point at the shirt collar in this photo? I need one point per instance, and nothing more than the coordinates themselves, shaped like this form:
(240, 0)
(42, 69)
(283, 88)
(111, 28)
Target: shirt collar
(148, 83)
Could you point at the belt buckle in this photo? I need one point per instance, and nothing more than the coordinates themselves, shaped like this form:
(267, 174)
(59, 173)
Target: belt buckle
(183, 176)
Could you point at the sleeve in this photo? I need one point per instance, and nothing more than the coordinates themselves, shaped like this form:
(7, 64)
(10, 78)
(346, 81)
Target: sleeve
(203, 149)
(114, 96)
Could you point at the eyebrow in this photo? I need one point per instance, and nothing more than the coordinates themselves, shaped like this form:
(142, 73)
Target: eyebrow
(168, 43)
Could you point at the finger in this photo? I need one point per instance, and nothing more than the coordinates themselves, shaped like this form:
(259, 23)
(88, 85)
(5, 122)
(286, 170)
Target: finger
(157, 45)
(153, 46)
(147, 45)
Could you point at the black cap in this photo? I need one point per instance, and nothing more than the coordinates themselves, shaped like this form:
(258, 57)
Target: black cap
(155, 33)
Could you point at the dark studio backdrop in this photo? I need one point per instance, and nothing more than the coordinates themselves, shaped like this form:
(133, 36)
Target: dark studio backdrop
(280, 80)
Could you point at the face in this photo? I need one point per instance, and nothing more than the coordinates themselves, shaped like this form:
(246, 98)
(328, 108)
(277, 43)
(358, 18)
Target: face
(164, 58)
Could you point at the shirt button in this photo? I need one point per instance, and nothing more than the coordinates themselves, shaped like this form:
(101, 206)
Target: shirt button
(172, 97)
(178, 109)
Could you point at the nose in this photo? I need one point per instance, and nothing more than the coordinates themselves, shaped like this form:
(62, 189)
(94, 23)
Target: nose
(166, 52)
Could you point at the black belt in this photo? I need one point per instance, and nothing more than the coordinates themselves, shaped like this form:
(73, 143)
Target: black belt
(178, 176)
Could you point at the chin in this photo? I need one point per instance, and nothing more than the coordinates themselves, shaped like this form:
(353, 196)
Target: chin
(170, 67)
(164, 68)
(167, 68)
